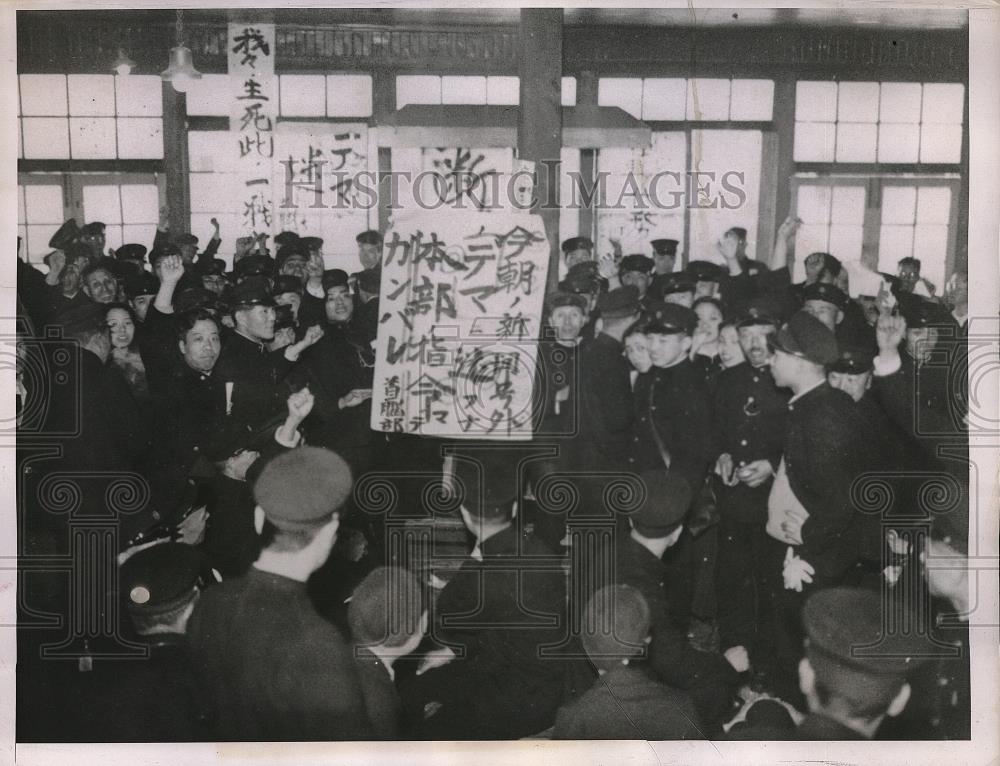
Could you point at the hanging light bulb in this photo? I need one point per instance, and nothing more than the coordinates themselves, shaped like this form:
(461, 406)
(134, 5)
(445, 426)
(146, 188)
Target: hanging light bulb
(181, 72)
(123, 65)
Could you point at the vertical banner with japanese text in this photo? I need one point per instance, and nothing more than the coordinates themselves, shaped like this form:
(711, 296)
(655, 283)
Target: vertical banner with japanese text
(252, 119)
(324, 186)
(461, 301)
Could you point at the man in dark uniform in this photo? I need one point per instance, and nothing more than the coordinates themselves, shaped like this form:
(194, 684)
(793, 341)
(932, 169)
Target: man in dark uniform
(339, 371)
(369, 249)
(810, 508)
(664, 259)
(654, 528)
(849, 691)
(556, 403)
(152, 698)
(577, 250)
(585, 280)
(387, 622)
(921, 383)
(624, 702)
(735, 239)
(674, 428)
(490, 680)
(132, 254)
(707, 277)
(213, 276)
(674, 288)
(92, 235)
(272, 667)
(893, 452)
(189, 407)
(636, 270)
(748, 432)
(250, 372)
(834, 308)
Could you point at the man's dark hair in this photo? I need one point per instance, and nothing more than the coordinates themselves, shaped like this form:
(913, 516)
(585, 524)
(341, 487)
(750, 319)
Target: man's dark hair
(93, 268)
(288, 540)
(909, 261)
(189, 319)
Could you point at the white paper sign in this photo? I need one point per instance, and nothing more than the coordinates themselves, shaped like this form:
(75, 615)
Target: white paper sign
(462, 295)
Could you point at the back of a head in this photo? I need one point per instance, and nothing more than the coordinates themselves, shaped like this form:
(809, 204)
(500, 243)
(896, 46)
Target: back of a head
(486, 485)
(616, 623)
(299, 491)
(386, 608)
(859, 665)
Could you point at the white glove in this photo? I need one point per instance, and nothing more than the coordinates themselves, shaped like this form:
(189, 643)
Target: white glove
(796, 572)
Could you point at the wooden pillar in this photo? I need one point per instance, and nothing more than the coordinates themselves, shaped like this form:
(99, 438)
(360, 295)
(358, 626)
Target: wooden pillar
(175, 159)
(383, 105)
(586, 94)
(784, 124)
(539, 128)
(960, 259)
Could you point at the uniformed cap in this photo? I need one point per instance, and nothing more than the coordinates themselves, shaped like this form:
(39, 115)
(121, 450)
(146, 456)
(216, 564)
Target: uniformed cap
(851, 651)
(121, 269)
(64, 235)
(615, 624)
(254, 264)
(920, 312)
(486, 482)
(195, 297)
(620, 302)
(286, 238)
(635, 262)
(669, 284)
(665, 247)
(302, 488)
(162, 578)
(755, 317)
(131, 252)
(582, 278)
(739, 231)
(823, 291)
(806, 337)
(312, 243)
(370, 237)
(853, 361)
(167, 249)
(286, 253)
(215, 267)
(562, 298)
(93, 229)
(369, 280)
(704, 271)
(185, 239)
(287, 283)
(141, 283)
(671, 318)
(577, 243)
(250, 292)
(763, 310)
(335, 278)
(665, 501)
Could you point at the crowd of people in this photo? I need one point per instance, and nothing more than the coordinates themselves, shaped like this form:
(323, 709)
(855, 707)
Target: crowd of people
(752, 466)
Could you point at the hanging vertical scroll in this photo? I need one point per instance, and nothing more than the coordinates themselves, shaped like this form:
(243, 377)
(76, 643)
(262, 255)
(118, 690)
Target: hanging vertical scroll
(252, 118)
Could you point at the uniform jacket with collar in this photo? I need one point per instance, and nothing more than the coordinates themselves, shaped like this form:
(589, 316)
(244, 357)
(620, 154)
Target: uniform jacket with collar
(272, 667)
(749, 424)
(625, 703)
(825, 453)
